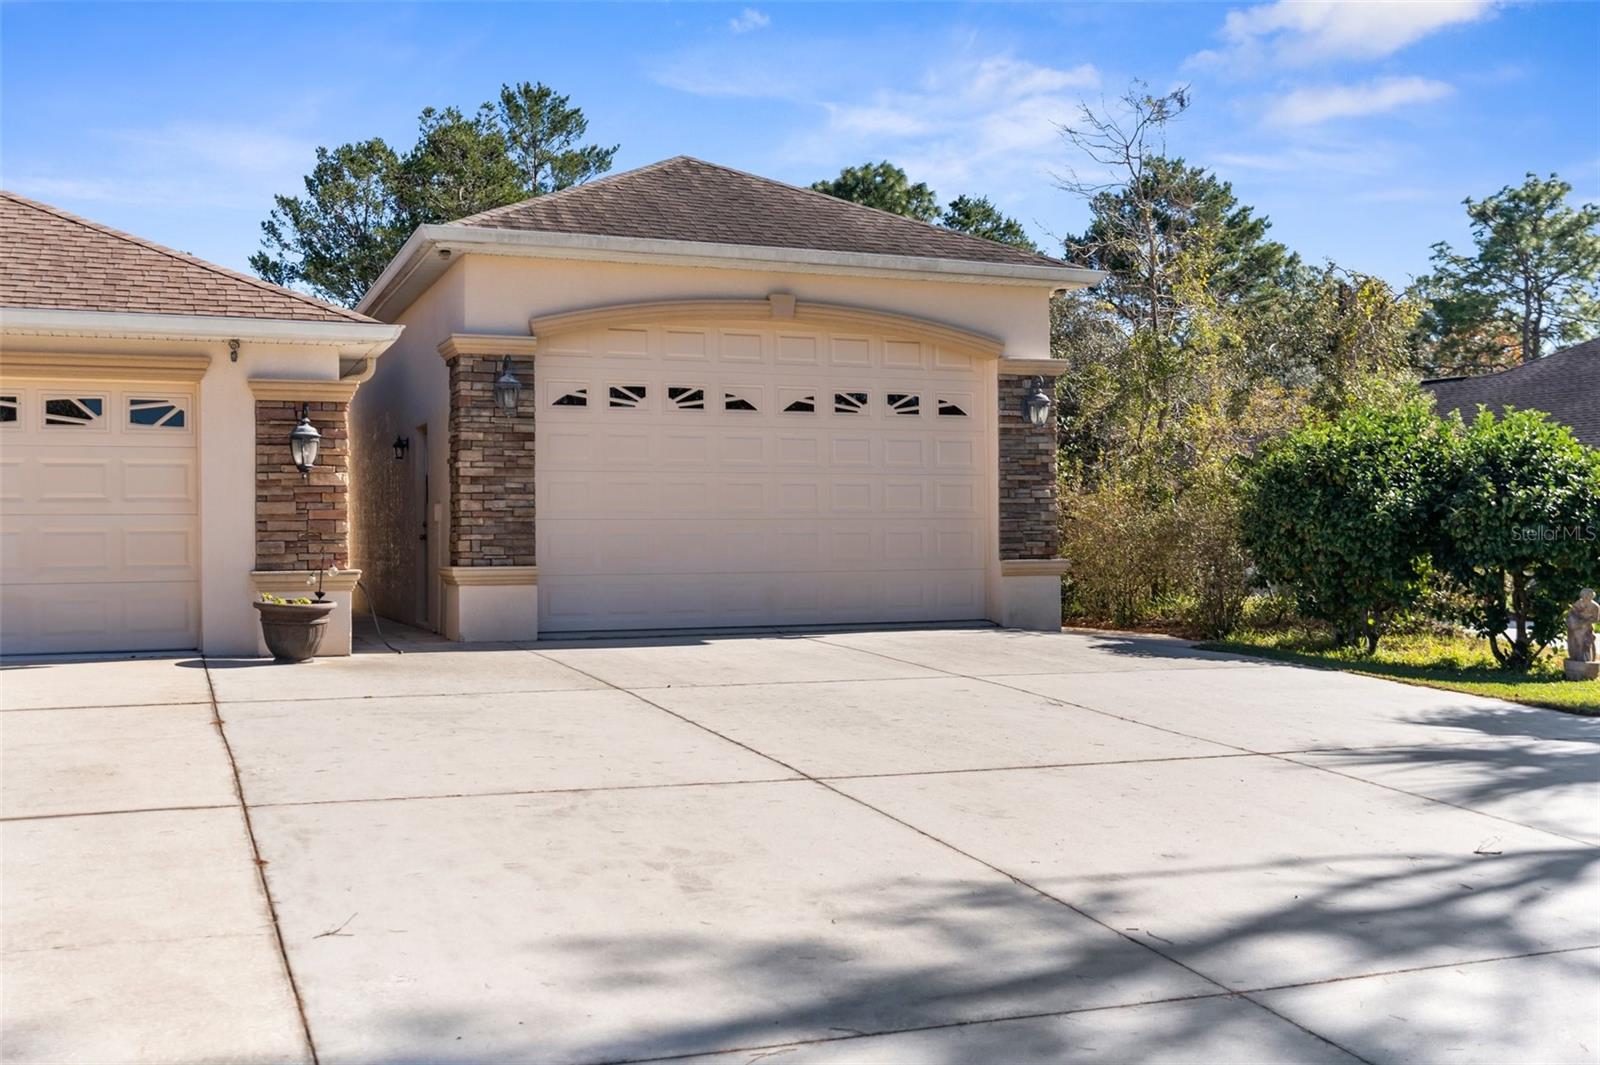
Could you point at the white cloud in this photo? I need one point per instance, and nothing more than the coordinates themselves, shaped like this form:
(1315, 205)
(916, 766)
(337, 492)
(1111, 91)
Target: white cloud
(235, 167)
(969, 126)
(1303, 32)
(749, 19)
(1312, 105)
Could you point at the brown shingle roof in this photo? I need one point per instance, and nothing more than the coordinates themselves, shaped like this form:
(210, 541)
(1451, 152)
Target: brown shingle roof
(1565, 385)
(691, 200)
(52, 259)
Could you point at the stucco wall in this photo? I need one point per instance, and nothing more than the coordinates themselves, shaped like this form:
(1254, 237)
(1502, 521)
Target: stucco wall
(408, 396)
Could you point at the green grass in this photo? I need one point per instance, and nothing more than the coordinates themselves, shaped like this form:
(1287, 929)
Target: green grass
(1454, 663)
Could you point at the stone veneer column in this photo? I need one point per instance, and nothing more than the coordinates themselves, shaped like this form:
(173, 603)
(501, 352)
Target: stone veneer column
(492, 505)
(491, 581)
(1028, 514)
(303, 521)
(1030, 537)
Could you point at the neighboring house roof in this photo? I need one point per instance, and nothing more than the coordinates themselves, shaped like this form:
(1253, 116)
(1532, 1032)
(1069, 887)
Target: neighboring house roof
(50, 259)
(1565, 385)
(691, 200)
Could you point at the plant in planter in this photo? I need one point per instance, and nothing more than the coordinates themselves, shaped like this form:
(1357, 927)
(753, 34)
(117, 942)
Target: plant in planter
(293, 626)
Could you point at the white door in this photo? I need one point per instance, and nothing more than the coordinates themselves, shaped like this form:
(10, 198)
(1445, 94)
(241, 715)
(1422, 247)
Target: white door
(757, 475)
(99, 542)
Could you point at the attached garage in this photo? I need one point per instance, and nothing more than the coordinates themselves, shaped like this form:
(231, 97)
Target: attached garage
(739, 474)
(99, 517)
(147, 493)
(685, 397)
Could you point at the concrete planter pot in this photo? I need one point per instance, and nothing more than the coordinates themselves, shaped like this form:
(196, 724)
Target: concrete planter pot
(294, 631)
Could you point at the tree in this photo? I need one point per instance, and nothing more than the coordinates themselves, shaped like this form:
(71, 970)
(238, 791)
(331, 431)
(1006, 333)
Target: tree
(362, 200)
(1340, 511)
(543, 131)
(458, 167)
(884, 186)
(1533, 275)
(1521, 529)
(337, 238)
(978, 216)
(1335, 337)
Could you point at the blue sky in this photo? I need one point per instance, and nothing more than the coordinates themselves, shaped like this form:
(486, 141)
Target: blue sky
(1356, 127)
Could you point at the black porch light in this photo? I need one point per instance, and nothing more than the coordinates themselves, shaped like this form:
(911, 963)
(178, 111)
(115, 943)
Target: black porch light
(507, 388)
(304, 442)
(402, 444)
(1036, 404)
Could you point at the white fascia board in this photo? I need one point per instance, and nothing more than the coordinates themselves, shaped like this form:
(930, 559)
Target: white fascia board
(421, 260)
(353, 338)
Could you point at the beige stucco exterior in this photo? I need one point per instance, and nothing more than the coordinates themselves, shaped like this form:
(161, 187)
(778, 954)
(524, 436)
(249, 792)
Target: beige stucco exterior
(225, 439)
(478, 293)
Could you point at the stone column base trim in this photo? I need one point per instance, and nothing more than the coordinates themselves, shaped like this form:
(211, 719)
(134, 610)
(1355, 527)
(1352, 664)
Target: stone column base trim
(484, 576)
(1033, 567)
(485, 604)
(340, 587)
(1031, 602)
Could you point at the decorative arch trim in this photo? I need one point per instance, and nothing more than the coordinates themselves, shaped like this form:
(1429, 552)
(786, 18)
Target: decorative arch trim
(777, 308)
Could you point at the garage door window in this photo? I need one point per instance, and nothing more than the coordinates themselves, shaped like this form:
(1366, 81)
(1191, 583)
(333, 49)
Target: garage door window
(849, 402)
(685, 398)
(73, 410)
(8, 409)
(628, 396)
(155, 414)
(907, 403)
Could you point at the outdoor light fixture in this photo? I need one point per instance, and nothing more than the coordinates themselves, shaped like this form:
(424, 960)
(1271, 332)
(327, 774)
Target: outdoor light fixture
(507, 388)
(1036, 404)
(402, 444)
(305, 442)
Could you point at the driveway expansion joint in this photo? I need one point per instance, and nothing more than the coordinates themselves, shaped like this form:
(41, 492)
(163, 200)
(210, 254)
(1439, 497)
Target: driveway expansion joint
(261, 871)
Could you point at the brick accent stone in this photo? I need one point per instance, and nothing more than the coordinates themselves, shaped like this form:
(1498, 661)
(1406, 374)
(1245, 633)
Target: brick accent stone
(1028, 504)
(492, 507)
(302, 522)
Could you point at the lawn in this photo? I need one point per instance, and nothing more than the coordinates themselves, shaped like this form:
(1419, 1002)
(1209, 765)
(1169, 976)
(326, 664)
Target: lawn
(1455, 663)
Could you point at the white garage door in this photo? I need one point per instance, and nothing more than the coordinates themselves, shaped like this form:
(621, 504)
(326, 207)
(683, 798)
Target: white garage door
(756, 475)
(98, 513)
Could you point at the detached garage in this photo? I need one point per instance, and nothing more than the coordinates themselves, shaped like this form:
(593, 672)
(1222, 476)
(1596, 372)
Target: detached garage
(146, 488)
(686, 396)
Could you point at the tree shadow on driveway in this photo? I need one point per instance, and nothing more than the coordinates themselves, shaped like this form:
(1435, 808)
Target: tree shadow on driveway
(708, 989)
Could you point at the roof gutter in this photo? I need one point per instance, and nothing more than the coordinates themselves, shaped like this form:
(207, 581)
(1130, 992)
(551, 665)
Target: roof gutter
(432, 248)
(355, 339)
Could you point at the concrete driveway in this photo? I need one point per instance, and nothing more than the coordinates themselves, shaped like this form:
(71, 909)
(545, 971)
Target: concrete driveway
(897, 846)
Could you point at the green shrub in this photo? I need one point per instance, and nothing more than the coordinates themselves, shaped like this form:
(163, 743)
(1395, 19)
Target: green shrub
(1119, 540)
(1341, 514)
(1141, 558)
(1520, 530)
(1210, 556)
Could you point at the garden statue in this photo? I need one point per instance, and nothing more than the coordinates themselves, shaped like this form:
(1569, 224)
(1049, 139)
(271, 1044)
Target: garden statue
(1581, 664)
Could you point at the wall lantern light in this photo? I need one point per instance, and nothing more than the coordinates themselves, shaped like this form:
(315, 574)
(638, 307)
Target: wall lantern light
(507, 388)
(402, 444)
(1036, 404)
(305, 442)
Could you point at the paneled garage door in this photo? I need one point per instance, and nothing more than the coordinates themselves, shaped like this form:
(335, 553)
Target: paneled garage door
(757, 475)
(98, 518)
